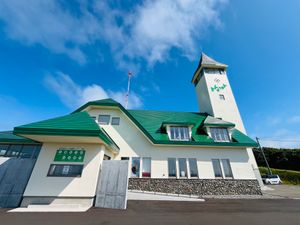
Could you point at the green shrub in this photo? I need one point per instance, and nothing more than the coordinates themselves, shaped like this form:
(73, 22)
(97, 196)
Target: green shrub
(287, 176)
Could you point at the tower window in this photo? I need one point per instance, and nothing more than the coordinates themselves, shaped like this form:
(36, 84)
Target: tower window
(220, 134)
(222, 97)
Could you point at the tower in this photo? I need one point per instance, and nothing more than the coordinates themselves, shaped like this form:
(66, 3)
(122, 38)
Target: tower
(214, 93)
(215, 97)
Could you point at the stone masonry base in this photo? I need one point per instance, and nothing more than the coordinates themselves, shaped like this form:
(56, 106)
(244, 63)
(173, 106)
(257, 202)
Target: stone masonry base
(196, 186)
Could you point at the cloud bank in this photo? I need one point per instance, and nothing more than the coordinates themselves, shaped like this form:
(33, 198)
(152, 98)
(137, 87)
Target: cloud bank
(146, 31)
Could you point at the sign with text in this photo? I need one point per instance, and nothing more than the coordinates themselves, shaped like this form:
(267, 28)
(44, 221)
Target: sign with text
(69, 155)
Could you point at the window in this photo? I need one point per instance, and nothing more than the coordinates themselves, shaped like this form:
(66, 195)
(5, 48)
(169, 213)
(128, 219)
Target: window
(27, 151)
(36, 151)
(146, 172)
(104, 119)
(172, 167)
(222, 97)
(124, 158)
(182, 167)
(179, 133)
(193, 167)
(13, 150)
(94, 118)
(135, 167)
(115, 121)
(106, 157)
(3, 149)
(62, 170)
(217, 168)
(219, 134)
(227, 168)
(20, 151)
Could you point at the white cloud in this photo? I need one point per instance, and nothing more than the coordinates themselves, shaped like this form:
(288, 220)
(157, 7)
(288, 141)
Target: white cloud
(49, 24)
(282, 138)
(148, 31)
(73, 95)
(166, 24)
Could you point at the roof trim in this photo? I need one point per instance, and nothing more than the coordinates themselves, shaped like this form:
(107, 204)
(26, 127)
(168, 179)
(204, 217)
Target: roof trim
(8, 137)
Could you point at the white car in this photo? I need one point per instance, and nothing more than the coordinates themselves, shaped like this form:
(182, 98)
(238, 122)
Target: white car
(271, 179)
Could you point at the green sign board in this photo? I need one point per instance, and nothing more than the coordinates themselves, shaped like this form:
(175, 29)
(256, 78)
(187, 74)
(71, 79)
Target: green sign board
(69, 155)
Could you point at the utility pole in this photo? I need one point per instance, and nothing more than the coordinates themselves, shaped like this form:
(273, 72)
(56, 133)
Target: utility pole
(262, 151)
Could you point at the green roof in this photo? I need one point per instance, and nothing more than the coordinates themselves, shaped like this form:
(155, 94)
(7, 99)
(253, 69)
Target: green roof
(9, 137)
(151, 124)
(76, 124)
(152, 121)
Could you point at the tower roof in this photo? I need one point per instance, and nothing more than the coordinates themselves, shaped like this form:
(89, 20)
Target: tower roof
(207, 62)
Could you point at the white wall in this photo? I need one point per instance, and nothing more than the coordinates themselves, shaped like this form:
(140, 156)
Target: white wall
(133, 143)
(210, 102)
(85, 186)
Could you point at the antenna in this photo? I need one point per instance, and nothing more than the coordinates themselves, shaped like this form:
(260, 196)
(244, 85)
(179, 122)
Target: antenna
(128, 90)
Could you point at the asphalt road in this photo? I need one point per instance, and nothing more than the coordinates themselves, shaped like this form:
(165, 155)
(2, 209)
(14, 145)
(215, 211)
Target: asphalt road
(231, 212)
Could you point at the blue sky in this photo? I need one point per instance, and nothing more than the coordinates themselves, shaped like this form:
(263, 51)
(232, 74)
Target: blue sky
(56, 55)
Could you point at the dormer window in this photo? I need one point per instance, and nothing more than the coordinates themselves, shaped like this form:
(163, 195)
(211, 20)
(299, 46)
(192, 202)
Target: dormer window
(179, 133)
(219, 134)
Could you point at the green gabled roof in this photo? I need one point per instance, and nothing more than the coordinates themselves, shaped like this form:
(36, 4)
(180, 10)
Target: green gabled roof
(151, 124)
(151, 121)
(103, 102)
(76, 124)
(9, 137)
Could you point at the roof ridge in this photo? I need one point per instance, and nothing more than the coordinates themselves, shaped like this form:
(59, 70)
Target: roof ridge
(165, 111)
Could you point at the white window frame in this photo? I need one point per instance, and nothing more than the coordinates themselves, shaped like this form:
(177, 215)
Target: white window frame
(169, 132)
(189, 169)
(228, 131)
(141, 166)
(222, 168)
(104, 115)
(188, 175)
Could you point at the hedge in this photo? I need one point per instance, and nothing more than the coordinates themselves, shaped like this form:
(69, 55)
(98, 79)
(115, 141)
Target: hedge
(286, 159)
(287, 176)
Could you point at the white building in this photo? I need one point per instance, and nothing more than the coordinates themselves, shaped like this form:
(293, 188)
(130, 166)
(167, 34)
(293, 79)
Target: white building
(200, 153)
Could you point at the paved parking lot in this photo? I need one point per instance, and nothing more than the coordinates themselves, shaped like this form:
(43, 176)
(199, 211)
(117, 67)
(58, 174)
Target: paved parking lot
(213, 211)
(284, 191)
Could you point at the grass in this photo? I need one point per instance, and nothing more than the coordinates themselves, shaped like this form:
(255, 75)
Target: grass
(287, 176)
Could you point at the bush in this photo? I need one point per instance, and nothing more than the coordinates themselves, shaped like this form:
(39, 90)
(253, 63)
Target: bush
(287, 176)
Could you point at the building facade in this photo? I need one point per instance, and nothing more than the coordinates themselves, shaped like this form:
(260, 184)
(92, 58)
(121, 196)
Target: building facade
(200, 153)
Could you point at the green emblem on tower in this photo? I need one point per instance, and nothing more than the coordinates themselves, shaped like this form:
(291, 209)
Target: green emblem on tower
(218, 88)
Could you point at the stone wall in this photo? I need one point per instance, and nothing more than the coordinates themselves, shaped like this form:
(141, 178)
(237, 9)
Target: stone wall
(196, 186)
